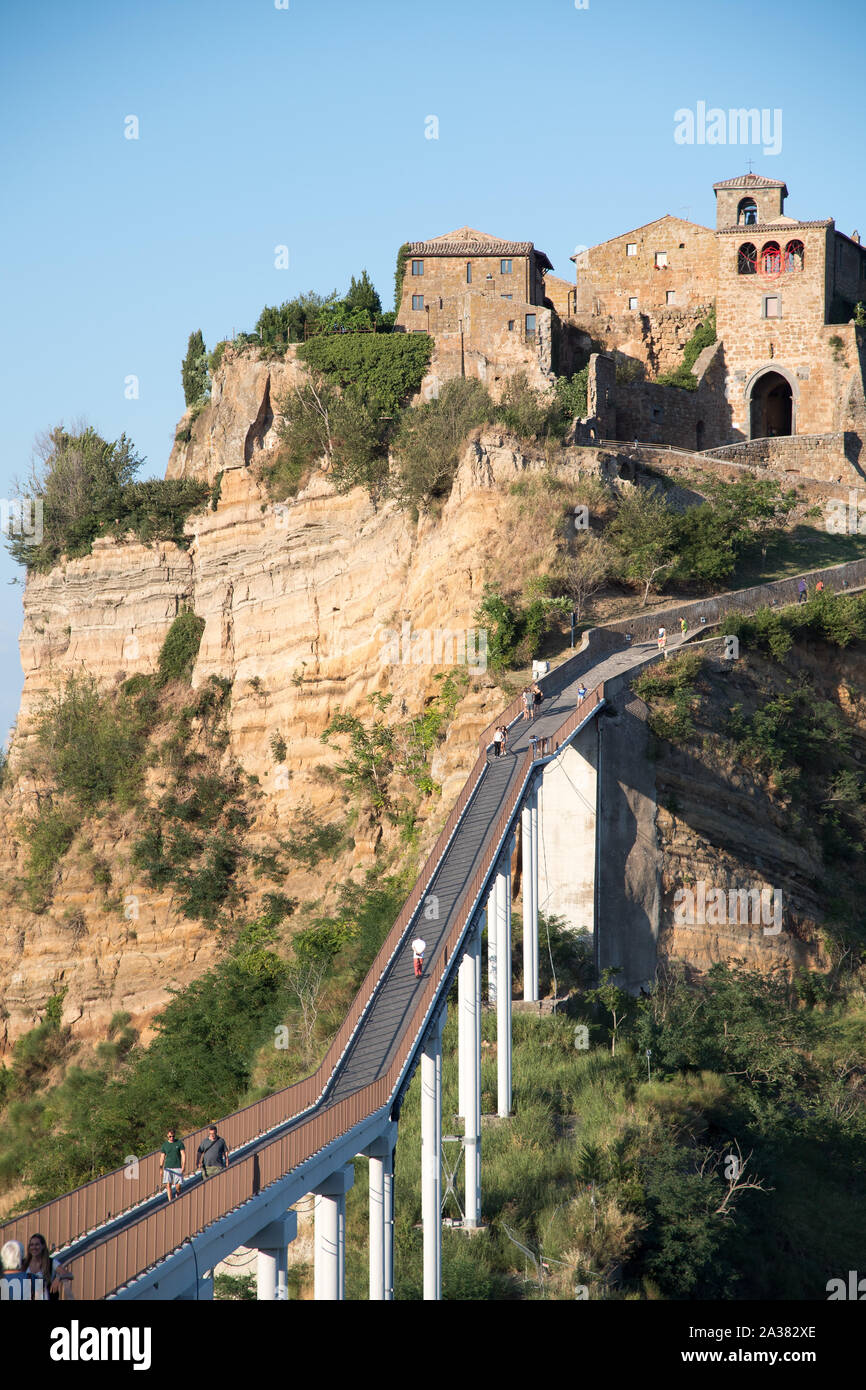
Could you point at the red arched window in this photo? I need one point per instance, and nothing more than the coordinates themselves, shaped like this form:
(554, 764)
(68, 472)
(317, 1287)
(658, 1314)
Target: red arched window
(771, 258)
(794, 254)
(747, 259)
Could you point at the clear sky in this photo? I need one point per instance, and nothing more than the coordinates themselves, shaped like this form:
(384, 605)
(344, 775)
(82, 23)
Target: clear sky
(306, 126)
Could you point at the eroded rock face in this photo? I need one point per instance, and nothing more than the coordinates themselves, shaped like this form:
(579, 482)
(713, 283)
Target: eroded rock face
(305, 607)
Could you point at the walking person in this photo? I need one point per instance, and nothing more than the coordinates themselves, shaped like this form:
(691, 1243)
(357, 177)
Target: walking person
(497, 743)
(662, 639)
(801, 591)
(684, 628)
(419, 946)
(819, 587)
(537, 697)
(581, 693)
(172, 1161)
(213, 1153)
(39, 1266)
(527, 702)
(503, 729)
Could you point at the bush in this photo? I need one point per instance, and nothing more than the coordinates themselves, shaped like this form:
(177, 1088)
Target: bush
(382, 369)
(429, 439)
(48, 835)
(180, 648)
(526, 412)
(93, 745)
(572, 394)
(194, 373)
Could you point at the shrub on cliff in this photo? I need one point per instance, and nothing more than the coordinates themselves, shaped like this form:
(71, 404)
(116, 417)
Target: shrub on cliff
(180, 648)
(383, 369)
(81, 486)
(429, 438)
(194, 370)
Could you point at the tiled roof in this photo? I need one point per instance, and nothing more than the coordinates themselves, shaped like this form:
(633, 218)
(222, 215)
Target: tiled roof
(668, 217)
(785, 226)
(752, 181)
(468, 242)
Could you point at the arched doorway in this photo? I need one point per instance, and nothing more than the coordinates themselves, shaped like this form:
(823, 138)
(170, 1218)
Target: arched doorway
(771, 407)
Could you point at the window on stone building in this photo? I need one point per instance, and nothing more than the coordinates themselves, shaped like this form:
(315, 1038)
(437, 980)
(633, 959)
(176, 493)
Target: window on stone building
(506, 296)
(511, 325)
(417, 267)
(747, 213)
(772, 306)
(469, 272)
(661, 260)
(505, 267)
(771, 258)
(794, 254)
(747, 259)
(631, 248)
(670, 296)
(530, 325)
(417, 301)
(632, 303)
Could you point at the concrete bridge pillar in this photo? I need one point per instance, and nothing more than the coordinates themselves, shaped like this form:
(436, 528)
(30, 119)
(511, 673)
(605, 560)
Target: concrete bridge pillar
(529, 881)
(381, 1156)
(431, 1157)
(492, 914)
(503, 979)
(330, 1234)
(272, 1243)
(469, 1003)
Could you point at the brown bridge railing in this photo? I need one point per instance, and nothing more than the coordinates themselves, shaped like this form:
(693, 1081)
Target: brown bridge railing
(67, 1218)
(121, 1256)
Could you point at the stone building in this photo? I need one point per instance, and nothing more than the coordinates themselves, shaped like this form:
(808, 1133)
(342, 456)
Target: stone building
(788, 359)
(482, 299)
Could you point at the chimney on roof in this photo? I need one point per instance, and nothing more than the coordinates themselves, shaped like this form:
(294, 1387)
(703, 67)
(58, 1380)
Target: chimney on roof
(855, 236)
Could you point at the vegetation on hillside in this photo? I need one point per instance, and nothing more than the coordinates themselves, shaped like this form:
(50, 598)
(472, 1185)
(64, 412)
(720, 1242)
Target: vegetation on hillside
(86, 488)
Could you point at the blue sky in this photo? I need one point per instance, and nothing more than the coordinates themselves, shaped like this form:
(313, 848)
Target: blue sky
(305, 127)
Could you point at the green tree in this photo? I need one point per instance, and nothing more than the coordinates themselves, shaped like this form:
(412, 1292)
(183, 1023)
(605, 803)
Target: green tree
(644, 533)
(194, 372)
(429, 438)
(362, 295)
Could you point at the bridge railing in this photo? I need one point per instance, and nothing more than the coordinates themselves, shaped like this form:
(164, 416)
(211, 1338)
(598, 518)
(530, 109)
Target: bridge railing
(67, 1218)
(123, 1255)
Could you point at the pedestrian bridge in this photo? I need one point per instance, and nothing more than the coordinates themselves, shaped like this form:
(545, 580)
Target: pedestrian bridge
(122, 1241)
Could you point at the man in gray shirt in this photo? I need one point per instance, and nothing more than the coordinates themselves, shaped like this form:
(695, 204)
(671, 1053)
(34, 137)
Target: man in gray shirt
(213, 1153)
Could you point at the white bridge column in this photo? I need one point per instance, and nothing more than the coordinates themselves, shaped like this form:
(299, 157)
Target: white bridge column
(503, 981)
(469, 1003)
(272, 1243)
(529, 879)
(381, 1156)
(431, 1157)
(492, 918)
(330, 1270)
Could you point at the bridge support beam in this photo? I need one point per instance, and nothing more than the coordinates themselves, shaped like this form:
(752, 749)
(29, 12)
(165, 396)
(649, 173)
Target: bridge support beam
(431, 1157)
(330, 1227)
(469, 993)
(272, 1243)
(492, 919)
(529, 880)
(381, 1156)
(503, 980)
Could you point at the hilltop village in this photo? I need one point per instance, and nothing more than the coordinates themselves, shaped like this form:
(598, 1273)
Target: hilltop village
(756, 320)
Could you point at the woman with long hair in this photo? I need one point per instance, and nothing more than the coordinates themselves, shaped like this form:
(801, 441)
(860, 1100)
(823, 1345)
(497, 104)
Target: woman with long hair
(38, 1264)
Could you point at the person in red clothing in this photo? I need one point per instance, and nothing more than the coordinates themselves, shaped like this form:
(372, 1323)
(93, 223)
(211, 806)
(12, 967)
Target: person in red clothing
(419, 946)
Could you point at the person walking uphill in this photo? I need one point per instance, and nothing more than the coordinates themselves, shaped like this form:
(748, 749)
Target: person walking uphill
(213, 1153)
(172, 1161)
(419, 946)
(801, 591)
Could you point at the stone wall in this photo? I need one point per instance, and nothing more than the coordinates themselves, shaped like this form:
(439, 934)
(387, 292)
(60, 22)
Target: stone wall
(829, 458)
(444, 284)
(659, 414)
(607, 276)
(655, 338)
(487, 348)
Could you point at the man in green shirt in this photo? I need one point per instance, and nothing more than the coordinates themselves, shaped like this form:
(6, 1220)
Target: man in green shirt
(172, 1161)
